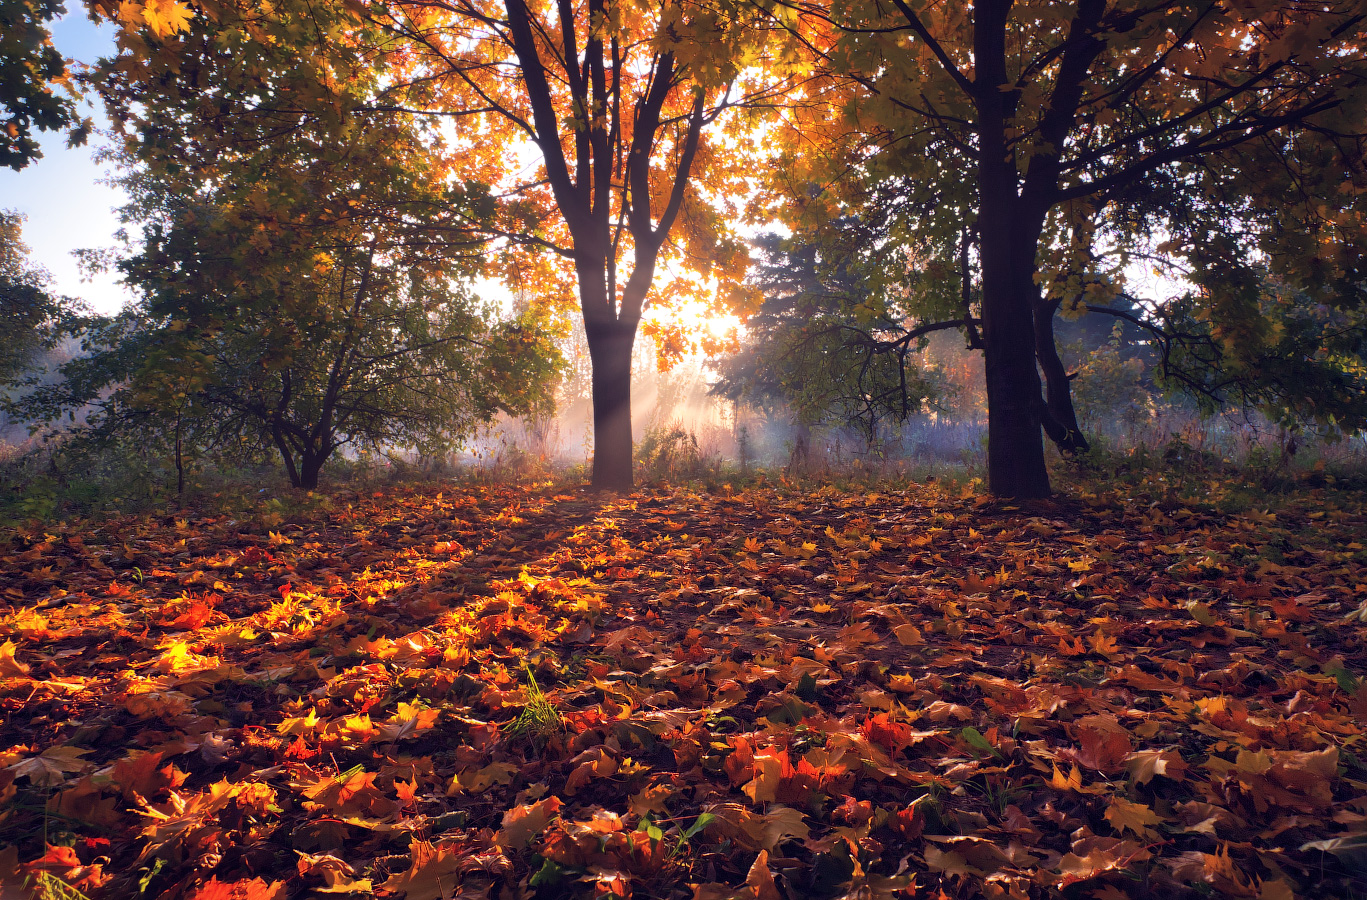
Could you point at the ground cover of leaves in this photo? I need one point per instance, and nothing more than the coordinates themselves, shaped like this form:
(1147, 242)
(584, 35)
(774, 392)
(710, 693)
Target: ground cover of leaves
(759, 693)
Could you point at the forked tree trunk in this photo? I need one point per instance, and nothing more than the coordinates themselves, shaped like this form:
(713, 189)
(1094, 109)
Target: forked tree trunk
(610, 346)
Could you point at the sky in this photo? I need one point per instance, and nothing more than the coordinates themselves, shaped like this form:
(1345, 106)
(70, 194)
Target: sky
(67, 206)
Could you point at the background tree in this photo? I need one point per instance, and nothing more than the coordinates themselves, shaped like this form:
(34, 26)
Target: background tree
(828, 342)
(31, 318)
(304, 286)
(1061, 113)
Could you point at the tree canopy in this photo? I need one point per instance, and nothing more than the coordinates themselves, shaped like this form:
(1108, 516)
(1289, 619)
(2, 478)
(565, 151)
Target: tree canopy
(606, 108)
(35, 90)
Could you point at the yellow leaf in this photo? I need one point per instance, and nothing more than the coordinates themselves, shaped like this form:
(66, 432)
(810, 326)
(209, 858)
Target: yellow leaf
(9, 666)
(760, 881)
(1073, 782)
(1103, 644)
(477, 780)
(768, 773)
(522, 823)
(902, 684)
(130, 13)
(909, 635)
(305, 725)
(1136, 817)
(166, 17)
(780, 824)
(651, 799)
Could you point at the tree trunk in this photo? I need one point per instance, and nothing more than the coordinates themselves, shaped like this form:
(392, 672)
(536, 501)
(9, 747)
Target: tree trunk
(610, 346)
(286, 454)
(1060, 419)
(180, 462)
(1015, 445)
(309, 467)
(1008, 235)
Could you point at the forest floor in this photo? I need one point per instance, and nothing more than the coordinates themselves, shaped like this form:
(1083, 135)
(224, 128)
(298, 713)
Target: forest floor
(763, 692)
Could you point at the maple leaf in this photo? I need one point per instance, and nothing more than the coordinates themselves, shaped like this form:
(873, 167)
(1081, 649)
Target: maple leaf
(1105, 743)
(337, 875)
(87, 802)
(770, 769)
(650, 799)
(760, 880)
(1144, 765)
(141, 776)
(253, 889)
(9, 666)
(1073, 648)
(1093, 856)
(1071, 782)
(432, 874)
(1134, 817)
(58, 872)
(166, 17)
(477, 780)
(777, 826)
(52, 765)
(522, 823)
(1103, 644)
(891, 736)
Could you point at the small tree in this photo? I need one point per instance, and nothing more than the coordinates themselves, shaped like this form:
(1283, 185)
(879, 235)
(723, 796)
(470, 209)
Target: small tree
(31, 318)
(829, 342)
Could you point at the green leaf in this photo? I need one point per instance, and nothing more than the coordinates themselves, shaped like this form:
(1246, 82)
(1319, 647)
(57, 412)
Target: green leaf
(974, 738)
(1347, 681)
(550, 874)
(702, 822)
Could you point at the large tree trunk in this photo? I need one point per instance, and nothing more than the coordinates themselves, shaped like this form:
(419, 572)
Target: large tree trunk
(610, 344)
(309, 468)
(1009, 234)
(1015, 445)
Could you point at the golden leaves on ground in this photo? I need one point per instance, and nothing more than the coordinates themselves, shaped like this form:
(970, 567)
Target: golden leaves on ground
(767, 693)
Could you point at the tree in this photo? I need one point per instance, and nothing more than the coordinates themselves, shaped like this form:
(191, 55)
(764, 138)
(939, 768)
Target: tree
(304, 273)
(616, 99)
(1063, 117)
(31, 318)
(31, 73)
(829, 342)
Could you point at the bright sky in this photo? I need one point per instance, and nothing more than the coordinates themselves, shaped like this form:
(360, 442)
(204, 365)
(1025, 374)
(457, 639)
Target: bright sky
(67, 208)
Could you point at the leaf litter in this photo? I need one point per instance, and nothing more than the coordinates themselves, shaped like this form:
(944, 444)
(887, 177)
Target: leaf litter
(764, 693)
